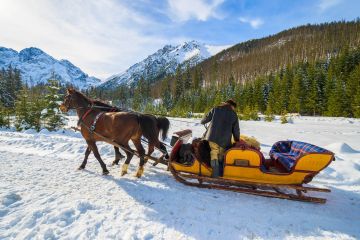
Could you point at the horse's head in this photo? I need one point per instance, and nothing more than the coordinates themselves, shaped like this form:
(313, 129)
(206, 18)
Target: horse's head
(69, 100)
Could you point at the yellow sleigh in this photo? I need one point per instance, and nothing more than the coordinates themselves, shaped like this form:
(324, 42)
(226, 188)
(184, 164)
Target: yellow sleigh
(291, 164)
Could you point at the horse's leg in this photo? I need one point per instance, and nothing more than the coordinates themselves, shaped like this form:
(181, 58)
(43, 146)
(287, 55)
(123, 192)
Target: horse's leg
(87, 153)
(141, 152)
(118, 156)
(129, 155)
(164, 150)
(94, 148)
(150, 151)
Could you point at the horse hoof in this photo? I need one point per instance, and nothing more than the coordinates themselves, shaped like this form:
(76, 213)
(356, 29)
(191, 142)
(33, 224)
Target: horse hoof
(106, 172)
(114, 163)
(81, 168)
(140, 172)
(124, 169)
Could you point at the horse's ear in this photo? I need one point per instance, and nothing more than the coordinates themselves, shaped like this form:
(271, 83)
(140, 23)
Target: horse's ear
(70, 90)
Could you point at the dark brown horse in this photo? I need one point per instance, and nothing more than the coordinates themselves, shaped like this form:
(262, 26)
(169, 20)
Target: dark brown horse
(120, 127)
(106, 108)
(162, 124)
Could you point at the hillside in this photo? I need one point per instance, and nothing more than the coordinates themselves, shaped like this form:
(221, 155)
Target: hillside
(249, 59)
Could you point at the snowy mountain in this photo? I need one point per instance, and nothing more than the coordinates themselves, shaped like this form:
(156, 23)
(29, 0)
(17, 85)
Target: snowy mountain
(37, 67)
(163, 62)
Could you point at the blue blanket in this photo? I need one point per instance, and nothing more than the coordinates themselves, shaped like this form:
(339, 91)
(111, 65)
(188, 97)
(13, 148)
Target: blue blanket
(288, 152)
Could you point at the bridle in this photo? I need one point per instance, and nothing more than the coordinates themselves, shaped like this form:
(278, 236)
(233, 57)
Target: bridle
(69, 99)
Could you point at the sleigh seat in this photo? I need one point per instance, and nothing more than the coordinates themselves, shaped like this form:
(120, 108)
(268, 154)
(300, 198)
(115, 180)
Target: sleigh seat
(288, 153)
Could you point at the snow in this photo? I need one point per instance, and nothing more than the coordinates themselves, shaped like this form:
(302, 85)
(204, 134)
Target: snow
(213, 49)
(43, 196)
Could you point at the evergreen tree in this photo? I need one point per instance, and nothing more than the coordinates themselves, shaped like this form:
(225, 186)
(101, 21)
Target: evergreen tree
(312, 97)
(166, 95)
(51, 115)
(352, 89)
(187, 80)
(284, 118)
(269, 116)
(141, 95)
(179, 85)
(335, 106)
(356, 104)
(2, 116)
(137, 99)
(295, 100)
(22, 121)
(197, 79)
(36, 106)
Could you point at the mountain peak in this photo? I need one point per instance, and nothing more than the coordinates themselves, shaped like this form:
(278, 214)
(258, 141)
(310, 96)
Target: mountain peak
(161, 63)
(36, 67)
(32, 51)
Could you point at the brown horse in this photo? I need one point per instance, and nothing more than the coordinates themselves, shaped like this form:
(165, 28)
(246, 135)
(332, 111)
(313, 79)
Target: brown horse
(162, 124)
(120, 127)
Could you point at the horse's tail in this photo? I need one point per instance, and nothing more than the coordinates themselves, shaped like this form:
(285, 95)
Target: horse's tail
(163, 124)
(148, 128)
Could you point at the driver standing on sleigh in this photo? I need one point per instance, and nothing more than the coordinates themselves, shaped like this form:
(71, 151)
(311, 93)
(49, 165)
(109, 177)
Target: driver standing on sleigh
(224, 124)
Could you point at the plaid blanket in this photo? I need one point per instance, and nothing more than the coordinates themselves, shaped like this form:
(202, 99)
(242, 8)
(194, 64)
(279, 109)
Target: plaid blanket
(288, 152)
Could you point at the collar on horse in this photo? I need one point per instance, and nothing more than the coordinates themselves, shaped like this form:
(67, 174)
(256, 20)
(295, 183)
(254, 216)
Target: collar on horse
(93, 125)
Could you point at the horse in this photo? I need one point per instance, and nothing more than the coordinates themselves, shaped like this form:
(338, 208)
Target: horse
(162, 124)
(120, 127)
(106, 108)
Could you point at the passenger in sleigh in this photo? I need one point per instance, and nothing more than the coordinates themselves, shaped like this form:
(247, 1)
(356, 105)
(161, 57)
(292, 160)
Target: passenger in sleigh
(224, 124)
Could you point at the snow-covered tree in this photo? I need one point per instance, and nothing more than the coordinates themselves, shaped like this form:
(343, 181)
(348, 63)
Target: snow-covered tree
(52, 117)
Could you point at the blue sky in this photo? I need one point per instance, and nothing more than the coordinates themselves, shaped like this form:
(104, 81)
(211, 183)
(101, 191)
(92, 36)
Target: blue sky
(105, 37)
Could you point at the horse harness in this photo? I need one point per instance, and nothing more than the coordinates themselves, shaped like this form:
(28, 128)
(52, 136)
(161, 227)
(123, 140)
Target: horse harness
(93, 125)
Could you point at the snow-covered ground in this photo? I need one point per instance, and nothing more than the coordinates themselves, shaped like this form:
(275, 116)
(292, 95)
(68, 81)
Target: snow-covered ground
(43, 196)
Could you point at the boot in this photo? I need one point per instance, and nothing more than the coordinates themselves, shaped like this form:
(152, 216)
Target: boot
(215, 168)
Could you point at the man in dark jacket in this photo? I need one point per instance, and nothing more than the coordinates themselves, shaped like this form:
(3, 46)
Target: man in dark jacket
(224, 124)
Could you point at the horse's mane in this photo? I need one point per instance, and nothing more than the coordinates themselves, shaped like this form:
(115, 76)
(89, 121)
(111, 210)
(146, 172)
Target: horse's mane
(97, 102)
(101, 103)
(83, 96)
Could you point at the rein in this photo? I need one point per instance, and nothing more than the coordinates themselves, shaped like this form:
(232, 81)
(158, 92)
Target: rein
(85, 114)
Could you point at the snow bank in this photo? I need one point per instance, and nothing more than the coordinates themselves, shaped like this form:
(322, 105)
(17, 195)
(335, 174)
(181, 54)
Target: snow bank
(341, 147)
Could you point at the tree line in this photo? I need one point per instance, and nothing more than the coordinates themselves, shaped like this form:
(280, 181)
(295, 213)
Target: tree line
(29, 108)
(327, 87)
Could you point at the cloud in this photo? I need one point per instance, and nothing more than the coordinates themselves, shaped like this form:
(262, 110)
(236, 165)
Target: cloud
(254, 23)
(101, 37)
(326, 4)
(202, 10)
